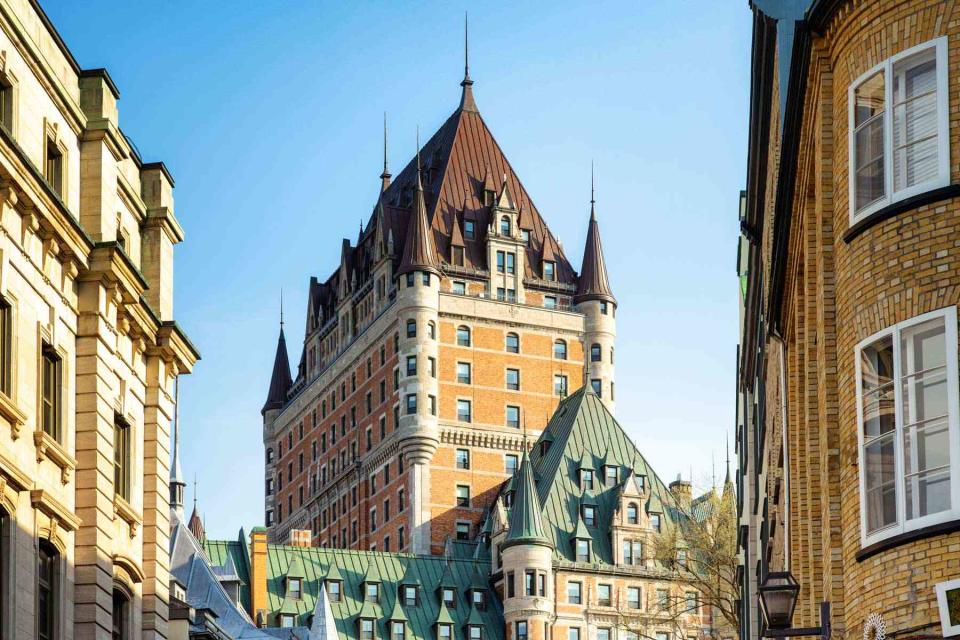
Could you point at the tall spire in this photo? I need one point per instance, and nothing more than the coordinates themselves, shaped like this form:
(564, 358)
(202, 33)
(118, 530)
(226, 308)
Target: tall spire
(280, 381)
(419, 252)
(593, 283)
(526, 525)
(385, 176)
(726, 479)
(466, 99)
(195, 525)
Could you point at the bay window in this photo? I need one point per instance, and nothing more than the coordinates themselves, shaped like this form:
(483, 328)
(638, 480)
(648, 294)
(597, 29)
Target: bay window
(899, 142)
(907, 426)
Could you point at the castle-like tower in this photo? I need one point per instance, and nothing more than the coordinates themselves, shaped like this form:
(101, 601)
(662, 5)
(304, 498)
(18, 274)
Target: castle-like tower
(453, 319)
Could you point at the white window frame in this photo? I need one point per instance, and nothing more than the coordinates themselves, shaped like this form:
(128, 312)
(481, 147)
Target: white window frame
(949, 315)
(943, 131)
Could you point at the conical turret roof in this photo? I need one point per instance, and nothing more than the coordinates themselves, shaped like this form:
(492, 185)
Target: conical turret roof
(280, 381)
(593, 283)
(419, 252)
(526, 526)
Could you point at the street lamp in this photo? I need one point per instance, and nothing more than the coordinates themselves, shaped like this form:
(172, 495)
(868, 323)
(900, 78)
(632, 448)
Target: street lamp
(778, 599)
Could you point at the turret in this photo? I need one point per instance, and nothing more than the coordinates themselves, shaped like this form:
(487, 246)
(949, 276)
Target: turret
(527, 561)
(280, 384)
(595, 301)
(418, 300)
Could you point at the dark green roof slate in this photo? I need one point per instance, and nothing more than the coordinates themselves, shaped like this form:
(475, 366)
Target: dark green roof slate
(582, 426)
(217, 552)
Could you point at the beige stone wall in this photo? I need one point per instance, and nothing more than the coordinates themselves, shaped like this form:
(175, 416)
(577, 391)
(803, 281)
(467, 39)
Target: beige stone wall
(119, 356)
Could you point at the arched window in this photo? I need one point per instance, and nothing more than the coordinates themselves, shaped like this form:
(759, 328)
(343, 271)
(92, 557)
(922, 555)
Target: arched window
(512, 343)
(463, 336)
(411, 328)
(595, 352)
(560, 350)
(432, 330)
(504, 226)
(632, 513)
(121, 615)
(48, 587)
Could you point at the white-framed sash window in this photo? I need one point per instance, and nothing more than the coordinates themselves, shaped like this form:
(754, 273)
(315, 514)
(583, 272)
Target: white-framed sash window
(907, 417)
(899, 129)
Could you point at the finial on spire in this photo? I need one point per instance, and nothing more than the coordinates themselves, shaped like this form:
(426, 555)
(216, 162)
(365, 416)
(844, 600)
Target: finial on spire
(593, 200)
(281, 308)
(194, 491)
(466, 99)
(419, 183)
(385, 176)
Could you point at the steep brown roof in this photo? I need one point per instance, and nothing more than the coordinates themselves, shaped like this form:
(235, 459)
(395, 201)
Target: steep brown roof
(195, 525)
(593, 283)
(280, 380)
(419, 253)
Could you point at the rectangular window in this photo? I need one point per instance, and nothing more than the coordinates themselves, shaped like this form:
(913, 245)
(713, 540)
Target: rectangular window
(907, 414)
(541, 584)
(550, 302)
(463, 531)
(463, 495)
(411, 365)
(583, 550)
(433, 366)
(690, 602)
(511, 263)
(549, 272)
(663, 599)
(513, 417)
(603, 595)
(463, 459)
(573, 633)
(6, 347)
(513, 379)
(603, 633)
(463, 372)
(655, 521)
(633, 597)
(468, 232)
(121, 457)
(522, 630)
(333, 590)
(597, 387)
(52, 396)
(433, 404)
(560, 385)
(459, 288)
(53, 168)
(48, 602)
(899, 144)
(589, 515)
(410, 596)
(463, 411)
(510, 463)
(457, 256)
(574, 590)
(529, 578)
(511, 588)
(411, 404)
(500, 261)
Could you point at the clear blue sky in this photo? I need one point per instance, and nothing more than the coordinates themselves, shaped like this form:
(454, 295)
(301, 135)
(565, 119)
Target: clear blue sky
(269, 115)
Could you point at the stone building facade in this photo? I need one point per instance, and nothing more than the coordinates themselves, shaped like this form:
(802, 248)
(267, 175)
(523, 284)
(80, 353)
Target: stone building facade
(850, 279)
(453, 320)
(89, 350)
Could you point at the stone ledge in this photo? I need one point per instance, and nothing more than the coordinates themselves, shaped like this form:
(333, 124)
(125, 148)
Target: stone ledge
(10, 410)
(127, 513)
(50, 449)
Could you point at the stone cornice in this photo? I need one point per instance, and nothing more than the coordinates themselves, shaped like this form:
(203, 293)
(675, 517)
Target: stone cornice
(473, 437)
(174, 345)
(163, 217)
(104, 130)
(17, 478)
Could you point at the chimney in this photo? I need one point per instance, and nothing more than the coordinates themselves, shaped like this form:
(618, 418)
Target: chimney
(258, 574)
(300, 538)
(682, 490)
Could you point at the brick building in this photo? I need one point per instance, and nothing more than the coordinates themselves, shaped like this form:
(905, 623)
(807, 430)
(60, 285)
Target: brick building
(453, 320)
(850, 276)
(89, 350)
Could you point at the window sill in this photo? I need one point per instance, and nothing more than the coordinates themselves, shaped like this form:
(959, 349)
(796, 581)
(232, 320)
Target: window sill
(50, 449)
(900, 206)
(10, 411)
(892, 542)
(127, 513)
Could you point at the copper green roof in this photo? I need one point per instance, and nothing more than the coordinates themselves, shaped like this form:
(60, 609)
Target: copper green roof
(582, 426)
(352, 568)
(443, 616)
(526, 526)
(475, 618)
(219, 551)
(397, 613)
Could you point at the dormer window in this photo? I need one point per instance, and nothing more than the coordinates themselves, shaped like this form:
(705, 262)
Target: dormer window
(294, 588)
(655, 522)
(504, 225)
(449, 597)
(475, 632)
(444, 631)
(549, 270)
(586, 479)
(479, 598)
(582, 548)
(398, 630)
(372, 591)
(589, 515)
(526, 236)
(409, 593)
(457, 256)
(286, 620)
(468, 229)
(610, 475)
(366, 628)
(632, 513)
(335, 590)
